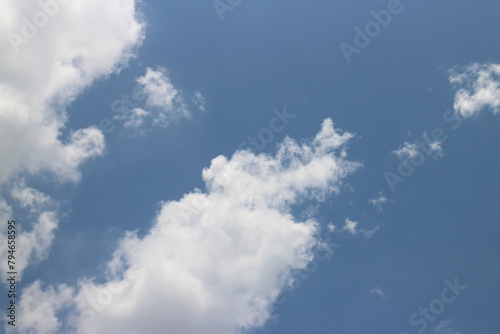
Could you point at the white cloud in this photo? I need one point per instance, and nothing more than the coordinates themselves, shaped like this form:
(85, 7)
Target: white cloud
(445, 327)
(41, 308)
(218, 259)
(351, 227)
(30, 198)
(478, 88)
(50, 53)
(331, 228)
(376, 291)
(199, 100)
(82, 41)
(379, 201)
(36, 233)
(436, 149)
(412, 150)
(407, 151)
(163, 102)
(162, 94)
(135, 118)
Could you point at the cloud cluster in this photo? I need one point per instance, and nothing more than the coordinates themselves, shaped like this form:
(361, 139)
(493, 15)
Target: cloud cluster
(412, 150)
(478, 88)
(215, 261)
(155, 101)
(52, 51)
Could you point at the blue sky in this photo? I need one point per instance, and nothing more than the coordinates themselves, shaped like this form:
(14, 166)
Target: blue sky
(184, 167)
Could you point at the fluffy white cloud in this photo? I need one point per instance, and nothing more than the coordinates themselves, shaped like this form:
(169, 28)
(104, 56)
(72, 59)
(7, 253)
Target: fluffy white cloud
(41, 308)
(162, 94)
(215, 261)
(478, 87)
(155, 102)
(64, 48)
(51, 51)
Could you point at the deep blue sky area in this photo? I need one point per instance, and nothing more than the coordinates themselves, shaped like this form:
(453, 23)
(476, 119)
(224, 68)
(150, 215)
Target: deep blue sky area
(442, 223)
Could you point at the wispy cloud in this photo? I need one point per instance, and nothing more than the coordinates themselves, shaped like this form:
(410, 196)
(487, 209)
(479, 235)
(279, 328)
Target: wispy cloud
(379, 201)
(445, 327)
(351, 227)
(412, 150)
(376, 291)
(199, 100)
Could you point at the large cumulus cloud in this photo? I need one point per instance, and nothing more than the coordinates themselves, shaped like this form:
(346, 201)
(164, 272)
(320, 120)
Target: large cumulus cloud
(214, 261)
(51, 51)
